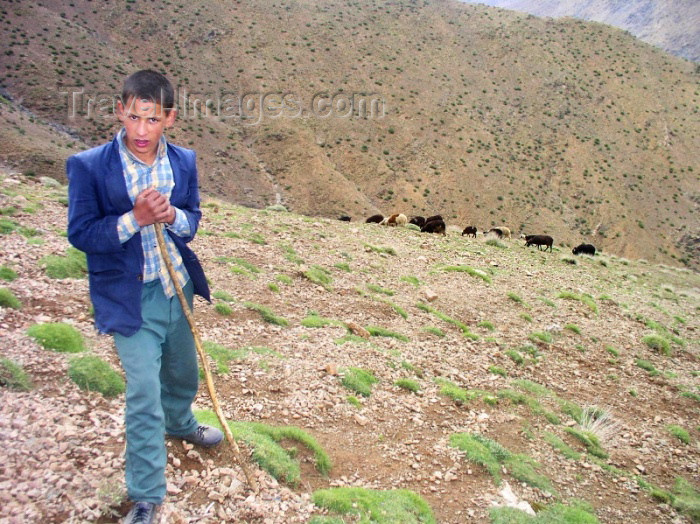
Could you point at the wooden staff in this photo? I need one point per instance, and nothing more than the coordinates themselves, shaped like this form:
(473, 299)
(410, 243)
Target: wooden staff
(203, 357)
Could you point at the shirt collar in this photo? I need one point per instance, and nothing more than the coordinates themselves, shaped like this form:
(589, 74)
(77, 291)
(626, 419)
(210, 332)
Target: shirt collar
(125, 150)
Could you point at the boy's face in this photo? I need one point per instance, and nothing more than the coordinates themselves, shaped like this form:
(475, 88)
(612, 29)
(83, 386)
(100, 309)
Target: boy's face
(144, 122)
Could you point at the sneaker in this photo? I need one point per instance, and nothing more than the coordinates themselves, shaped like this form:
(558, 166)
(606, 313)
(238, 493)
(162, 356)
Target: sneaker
(141, 513)
(205, 436)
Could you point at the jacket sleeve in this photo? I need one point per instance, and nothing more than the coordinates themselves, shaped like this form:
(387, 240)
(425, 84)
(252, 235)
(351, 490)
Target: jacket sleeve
(190, 206)
(89, 229)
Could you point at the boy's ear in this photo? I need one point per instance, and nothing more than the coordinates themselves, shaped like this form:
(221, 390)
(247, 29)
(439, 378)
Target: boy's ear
(120, 110)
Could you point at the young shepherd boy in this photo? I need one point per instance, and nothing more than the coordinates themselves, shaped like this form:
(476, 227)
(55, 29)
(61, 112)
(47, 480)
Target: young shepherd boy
(118, 193)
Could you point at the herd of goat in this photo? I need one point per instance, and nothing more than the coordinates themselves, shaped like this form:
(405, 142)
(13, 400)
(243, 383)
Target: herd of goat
(436, 224)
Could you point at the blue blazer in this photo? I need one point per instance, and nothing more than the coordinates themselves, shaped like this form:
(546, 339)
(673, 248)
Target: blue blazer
(97, 197)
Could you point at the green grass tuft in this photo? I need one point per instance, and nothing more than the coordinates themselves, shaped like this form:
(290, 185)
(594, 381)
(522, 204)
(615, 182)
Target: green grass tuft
(72, 265)
(540, 336)
(647, 366)
(320, 276)
(265, 442)
(498, 371)
(590, 441)
(359, 381)
(495, 243)
(13, 376)
(411, 280)
(461, 325)
(515, 356)
(657, 343)
(434, 331)
(561, 446)
(223, 295)
(381, 250)
(377, 331)
(314, 320)
(515, 298)
(354, 401)
(223, 309)
(57, 336)
(492, 455)
(222, 355)
(8, 299)
(379, 289)
(478, 273)
(583, 298)
(408, 384)
(557, 513)
(573, 328)
(7, 273)
(267, 314)
(375, 506)
(679, 432)
(486, 325)
(91, 373)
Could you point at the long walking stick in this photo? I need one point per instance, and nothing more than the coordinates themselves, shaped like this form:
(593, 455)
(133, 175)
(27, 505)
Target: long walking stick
(203, 358)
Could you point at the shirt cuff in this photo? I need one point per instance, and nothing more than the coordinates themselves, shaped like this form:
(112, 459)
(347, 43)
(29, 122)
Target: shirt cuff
(180, 226)
(127, 226)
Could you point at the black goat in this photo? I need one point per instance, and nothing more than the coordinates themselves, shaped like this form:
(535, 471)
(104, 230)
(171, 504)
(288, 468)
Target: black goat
(539, 241)
(584, 249)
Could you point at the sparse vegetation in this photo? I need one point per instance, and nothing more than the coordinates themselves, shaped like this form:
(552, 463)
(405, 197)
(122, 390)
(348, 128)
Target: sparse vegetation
(657, 343)
(13, 376)
(359, 381)
(478, 273)
(378, 506)
(320, 276)
(267, 314)
(72, 265)
(57, 336)
(7, 273)
(408, 384)
(8, 299)
(314, 320)
(265, 441)
(462, 326)
(223, 309)
(679, 432)
(491, 455)
(91, 373)
(583, 298)
(377, 331)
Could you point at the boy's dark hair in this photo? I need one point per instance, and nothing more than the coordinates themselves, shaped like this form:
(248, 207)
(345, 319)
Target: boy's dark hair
(149, 85)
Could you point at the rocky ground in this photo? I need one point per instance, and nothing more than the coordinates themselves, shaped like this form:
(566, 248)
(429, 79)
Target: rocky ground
(63, 446)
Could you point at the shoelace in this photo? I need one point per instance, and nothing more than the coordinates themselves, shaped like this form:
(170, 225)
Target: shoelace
(142, 513)
(200, 432)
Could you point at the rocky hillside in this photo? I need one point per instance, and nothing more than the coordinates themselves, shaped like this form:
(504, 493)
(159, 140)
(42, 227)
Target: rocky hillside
(465, 339)
(485, 116)
(673, 25)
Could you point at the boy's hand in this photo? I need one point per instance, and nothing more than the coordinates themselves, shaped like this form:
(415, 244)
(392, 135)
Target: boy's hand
(150, 207)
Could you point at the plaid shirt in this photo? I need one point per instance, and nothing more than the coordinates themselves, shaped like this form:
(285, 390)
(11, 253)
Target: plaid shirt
(140, 176)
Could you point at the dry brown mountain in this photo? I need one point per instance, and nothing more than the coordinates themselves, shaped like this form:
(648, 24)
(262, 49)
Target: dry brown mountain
(488, 117)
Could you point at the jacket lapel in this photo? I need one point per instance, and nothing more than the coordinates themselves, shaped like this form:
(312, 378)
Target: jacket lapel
(115, 185)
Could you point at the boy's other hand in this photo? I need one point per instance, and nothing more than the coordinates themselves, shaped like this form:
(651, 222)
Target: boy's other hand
(151, 207)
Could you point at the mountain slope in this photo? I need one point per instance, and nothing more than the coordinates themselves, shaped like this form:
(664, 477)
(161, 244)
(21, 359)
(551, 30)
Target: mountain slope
(499, 340)
(672, 25)
(485, 116)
